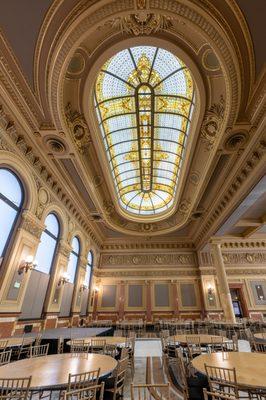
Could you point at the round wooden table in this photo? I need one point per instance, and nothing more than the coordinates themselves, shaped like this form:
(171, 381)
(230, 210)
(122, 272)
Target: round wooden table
(17, 341)
(116, 340)
(250, 367)
(260, 336)
(204, 339)
(51, 372)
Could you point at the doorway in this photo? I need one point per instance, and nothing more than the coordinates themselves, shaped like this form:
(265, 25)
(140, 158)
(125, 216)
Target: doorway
(238, 300)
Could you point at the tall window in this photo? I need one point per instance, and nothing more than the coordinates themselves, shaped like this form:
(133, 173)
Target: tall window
(11, 199)
(89, 269)
(46, 250)
(73, 259)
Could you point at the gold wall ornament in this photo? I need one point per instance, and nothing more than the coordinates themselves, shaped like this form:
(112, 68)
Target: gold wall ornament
(142, 23)
(184, 206)
(108, 207)
(78, 128)
(212, 123)
(31, 224)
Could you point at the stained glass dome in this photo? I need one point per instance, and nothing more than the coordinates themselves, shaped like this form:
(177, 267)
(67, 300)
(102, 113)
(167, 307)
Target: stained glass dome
(144, 103)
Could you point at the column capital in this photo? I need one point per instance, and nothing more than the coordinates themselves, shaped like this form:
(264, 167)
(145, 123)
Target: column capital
(216, 241)
(32, 224)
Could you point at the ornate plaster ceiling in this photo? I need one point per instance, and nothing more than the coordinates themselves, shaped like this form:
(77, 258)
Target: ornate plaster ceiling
(75, 39)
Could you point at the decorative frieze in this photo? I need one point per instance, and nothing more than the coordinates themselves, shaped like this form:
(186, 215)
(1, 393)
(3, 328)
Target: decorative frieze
(244, 258)
(146, 273)
(147, 259)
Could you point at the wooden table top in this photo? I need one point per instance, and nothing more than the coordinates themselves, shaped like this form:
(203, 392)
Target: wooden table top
(250, 367)
(261, 336)
(17, 341)
(204, 339)
(117, 340)
(52, 371)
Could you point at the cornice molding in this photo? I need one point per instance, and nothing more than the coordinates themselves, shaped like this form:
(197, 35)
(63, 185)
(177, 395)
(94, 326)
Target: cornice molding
(145, 246)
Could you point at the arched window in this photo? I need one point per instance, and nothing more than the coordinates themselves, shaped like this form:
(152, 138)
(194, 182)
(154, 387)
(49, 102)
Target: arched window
(11, 199)
(49, 239)
(89, 269)
(73, 260)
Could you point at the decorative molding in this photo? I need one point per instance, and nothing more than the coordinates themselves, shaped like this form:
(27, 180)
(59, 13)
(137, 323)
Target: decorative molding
(212, 123)
(64, 248)
(252, 272)
(146, 246)
(147, 273)
(147, 259)
(244, 258)
(141, 23)
(252, 244)
(31, 224)
(78, 127)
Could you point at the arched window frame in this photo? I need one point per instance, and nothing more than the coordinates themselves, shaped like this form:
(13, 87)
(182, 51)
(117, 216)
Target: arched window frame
(15, 207)
(89, 267)
(77, 255)
(56, 238)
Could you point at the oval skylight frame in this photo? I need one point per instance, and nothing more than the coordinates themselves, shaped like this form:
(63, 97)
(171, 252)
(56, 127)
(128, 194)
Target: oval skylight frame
(138, 84)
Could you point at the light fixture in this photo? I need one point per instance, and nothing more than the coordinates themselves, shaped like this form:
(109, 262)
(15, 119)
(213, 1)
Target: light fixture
(83, 287)
(26, 265)
(210, 293)
(96, 289)
(64, 278)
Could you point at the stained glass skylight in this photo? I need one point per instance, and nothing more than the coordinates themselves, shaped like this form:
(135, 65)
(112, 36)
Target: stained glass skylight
(144, 103)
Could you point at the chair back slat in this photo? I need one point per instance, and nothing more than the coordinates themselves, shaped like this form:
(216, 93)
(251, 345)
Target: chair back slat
(17, 389)
(94, 392)
(84, 379)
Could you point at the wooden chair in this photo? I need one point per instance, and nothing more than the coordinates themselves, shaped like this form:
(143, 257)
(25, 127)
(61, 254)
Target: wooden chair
(130, 345)
(38, 339)
(165, 333)
(17, 389)
(39, 351)
(85, 379)
(111, 350)
(98, 346)
(79, 346)
(24, 349)
(5, 357)
(118, 333)
(89, 393)
(150, 391)
(3, 345)
(216, 396)
(217, 344)
(259, 347)
(124, 353)
(60, 345)
(222, 380)
(117, 381)
(193, 346)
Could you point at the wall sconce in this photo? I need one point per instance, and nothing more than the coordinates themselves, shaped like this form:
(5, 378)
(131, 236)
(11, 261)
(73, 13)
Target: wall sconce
(83, 287)
(96, 289)
(64, 278)
(210, 292)
(26, 265)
